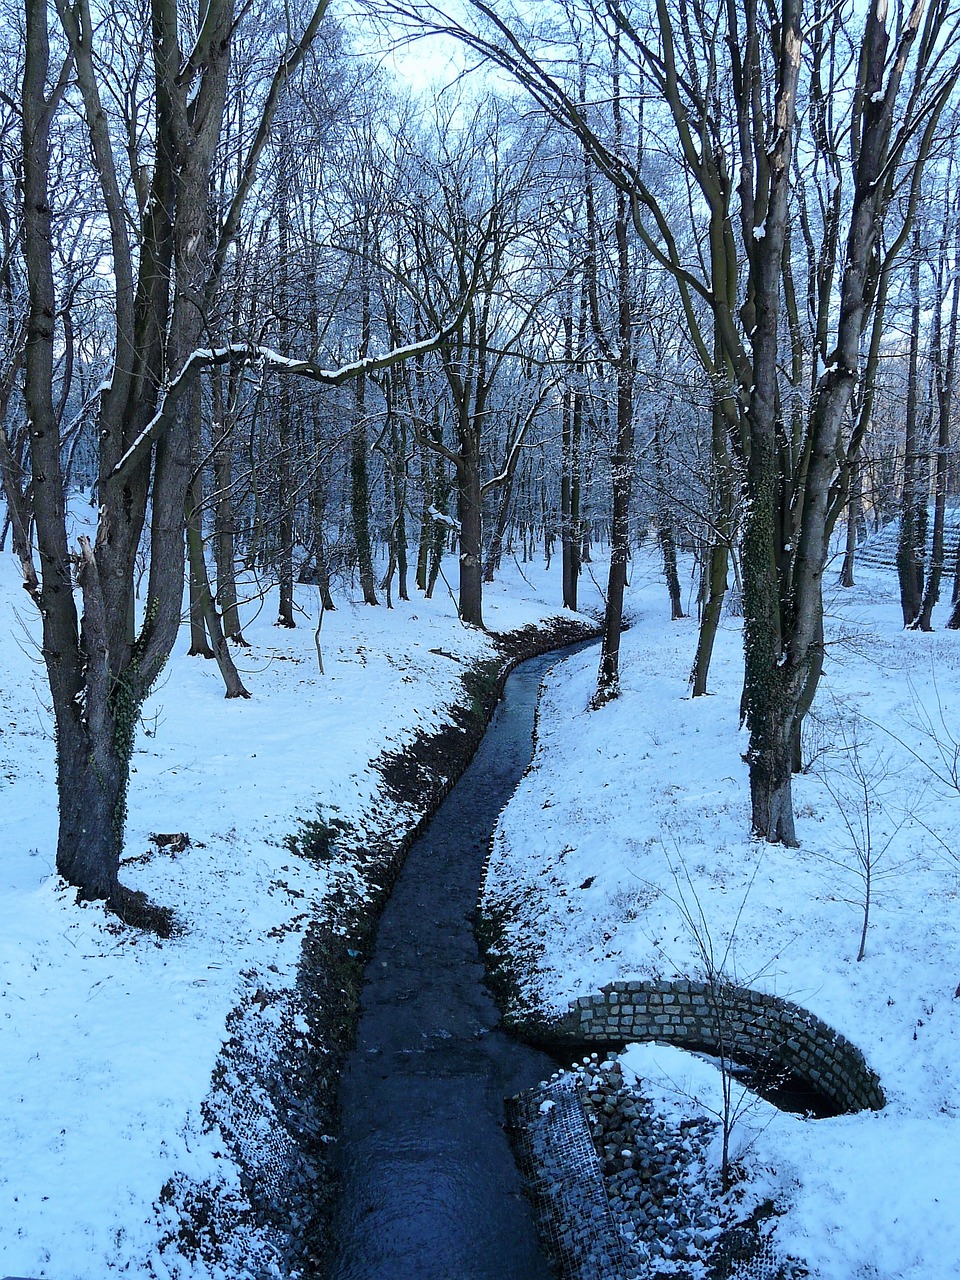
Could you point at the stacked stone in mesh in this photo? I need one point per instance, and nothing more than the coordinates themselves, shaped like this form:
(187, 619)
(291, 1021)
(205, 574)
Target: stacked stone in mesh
(559, 1161)
(653, 1172)
(623, 1193)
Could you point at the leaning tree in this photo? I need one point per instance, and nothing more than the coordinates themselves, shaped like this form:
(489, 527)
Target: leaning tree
(151, 158)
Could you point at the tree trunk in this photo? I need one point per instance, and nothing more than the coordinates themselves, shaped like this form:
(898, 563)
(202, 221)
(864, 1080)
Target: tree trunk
(501, 521)
(718, 556)
(91, 783)
(943, 372)
(359, 479)
(571, 526)
(665, 537)
(771, 687)
(426, 520)
(715, 582)
(471, 533)
(209, 618)
(285, 428)
(224, 533)
(854, 521)
(608, 677)
(571, 436)
(911, 544)
(198, 583)
(396, 474)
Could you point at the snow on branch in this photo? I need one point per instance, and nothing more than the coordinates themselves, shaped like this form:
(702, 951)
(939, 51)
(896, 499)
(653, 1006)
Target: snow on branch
(441, 517)
(254, 354)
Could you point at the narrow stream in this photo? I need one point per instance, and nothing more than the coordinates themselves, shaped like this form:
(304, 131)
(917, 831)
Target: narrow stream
(429, 1189)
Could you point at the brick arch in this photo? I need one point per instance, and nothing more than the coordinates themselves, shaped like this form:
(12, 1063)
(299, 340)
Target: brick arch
(749, 1025)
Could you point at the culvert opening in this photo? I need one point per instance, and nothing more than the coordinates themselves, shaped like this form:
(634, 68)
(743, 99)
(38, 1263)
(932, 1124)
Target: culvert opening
(768, 1079)
(783, 1088)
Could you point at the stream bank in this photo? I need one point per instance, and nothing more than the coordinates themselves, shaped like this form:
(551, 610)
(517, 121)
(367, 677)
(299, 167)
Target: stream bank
(274, 1099)
(428, 1186)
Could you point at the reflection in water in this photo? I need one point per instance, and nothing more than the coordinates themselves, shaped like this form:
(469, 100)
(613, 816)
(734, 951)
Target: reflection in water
(429, 1187)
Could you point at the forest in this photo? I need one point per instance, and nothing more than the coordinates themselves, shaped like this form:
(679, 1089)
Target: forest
(348, 356)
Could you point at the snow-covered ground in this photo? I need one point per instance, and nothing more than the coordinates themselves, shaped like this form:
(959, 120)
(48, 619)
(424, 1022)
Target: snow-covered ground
(108, 1036)
(625, 854)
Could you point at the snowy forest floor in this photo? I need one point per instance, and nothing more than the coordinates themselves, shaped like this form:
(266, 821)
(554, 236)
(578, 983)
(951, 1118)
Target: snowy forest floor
(109, 1036)
(625, 854)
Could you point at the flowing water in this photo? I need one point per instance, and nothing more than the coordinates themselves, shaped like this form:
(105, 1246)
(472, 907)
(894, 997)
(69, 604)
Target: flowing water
(429, 1190)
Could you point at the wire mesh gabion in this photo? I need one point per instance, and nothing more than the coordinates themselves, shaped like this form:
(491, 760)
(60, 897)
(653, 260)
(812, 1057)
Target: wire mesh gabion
(581, 1229)
(748, 1252)
(559, 1162)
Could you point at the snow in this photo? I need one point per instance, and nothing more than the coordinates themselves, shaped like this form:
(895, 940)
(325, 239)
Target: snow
(442, 518)
(625, 854)
(108, 1036)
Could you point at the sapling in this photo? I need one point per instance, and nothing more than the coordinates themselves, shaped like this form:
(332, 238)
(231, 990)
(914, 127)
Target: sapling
(717, 973)
(944, 768)
(856, 788)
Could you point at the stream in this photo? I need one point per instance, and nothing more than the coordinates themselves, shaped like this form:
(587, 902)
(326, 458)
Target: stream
(428, 1186)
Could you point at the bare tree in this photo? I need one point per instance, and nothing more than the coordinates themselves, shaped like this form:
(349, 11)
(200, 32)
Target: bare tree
(165, 276)
(472, 225)
(729, 84)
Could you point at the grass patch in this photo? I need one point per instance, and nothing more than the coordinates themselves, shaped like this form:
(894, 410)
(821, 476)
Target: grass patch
(316, 838)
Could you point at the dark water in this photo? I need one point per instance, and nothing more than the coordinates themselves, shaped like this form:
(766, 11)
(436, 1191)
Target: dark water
(429, 1187)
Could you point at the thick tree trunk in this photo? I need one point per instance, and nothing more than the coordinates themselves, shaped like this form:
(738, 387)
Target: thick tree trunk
(465, 366)
(91, 783)
(771, 776)
(770, 684)
(608, 677)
